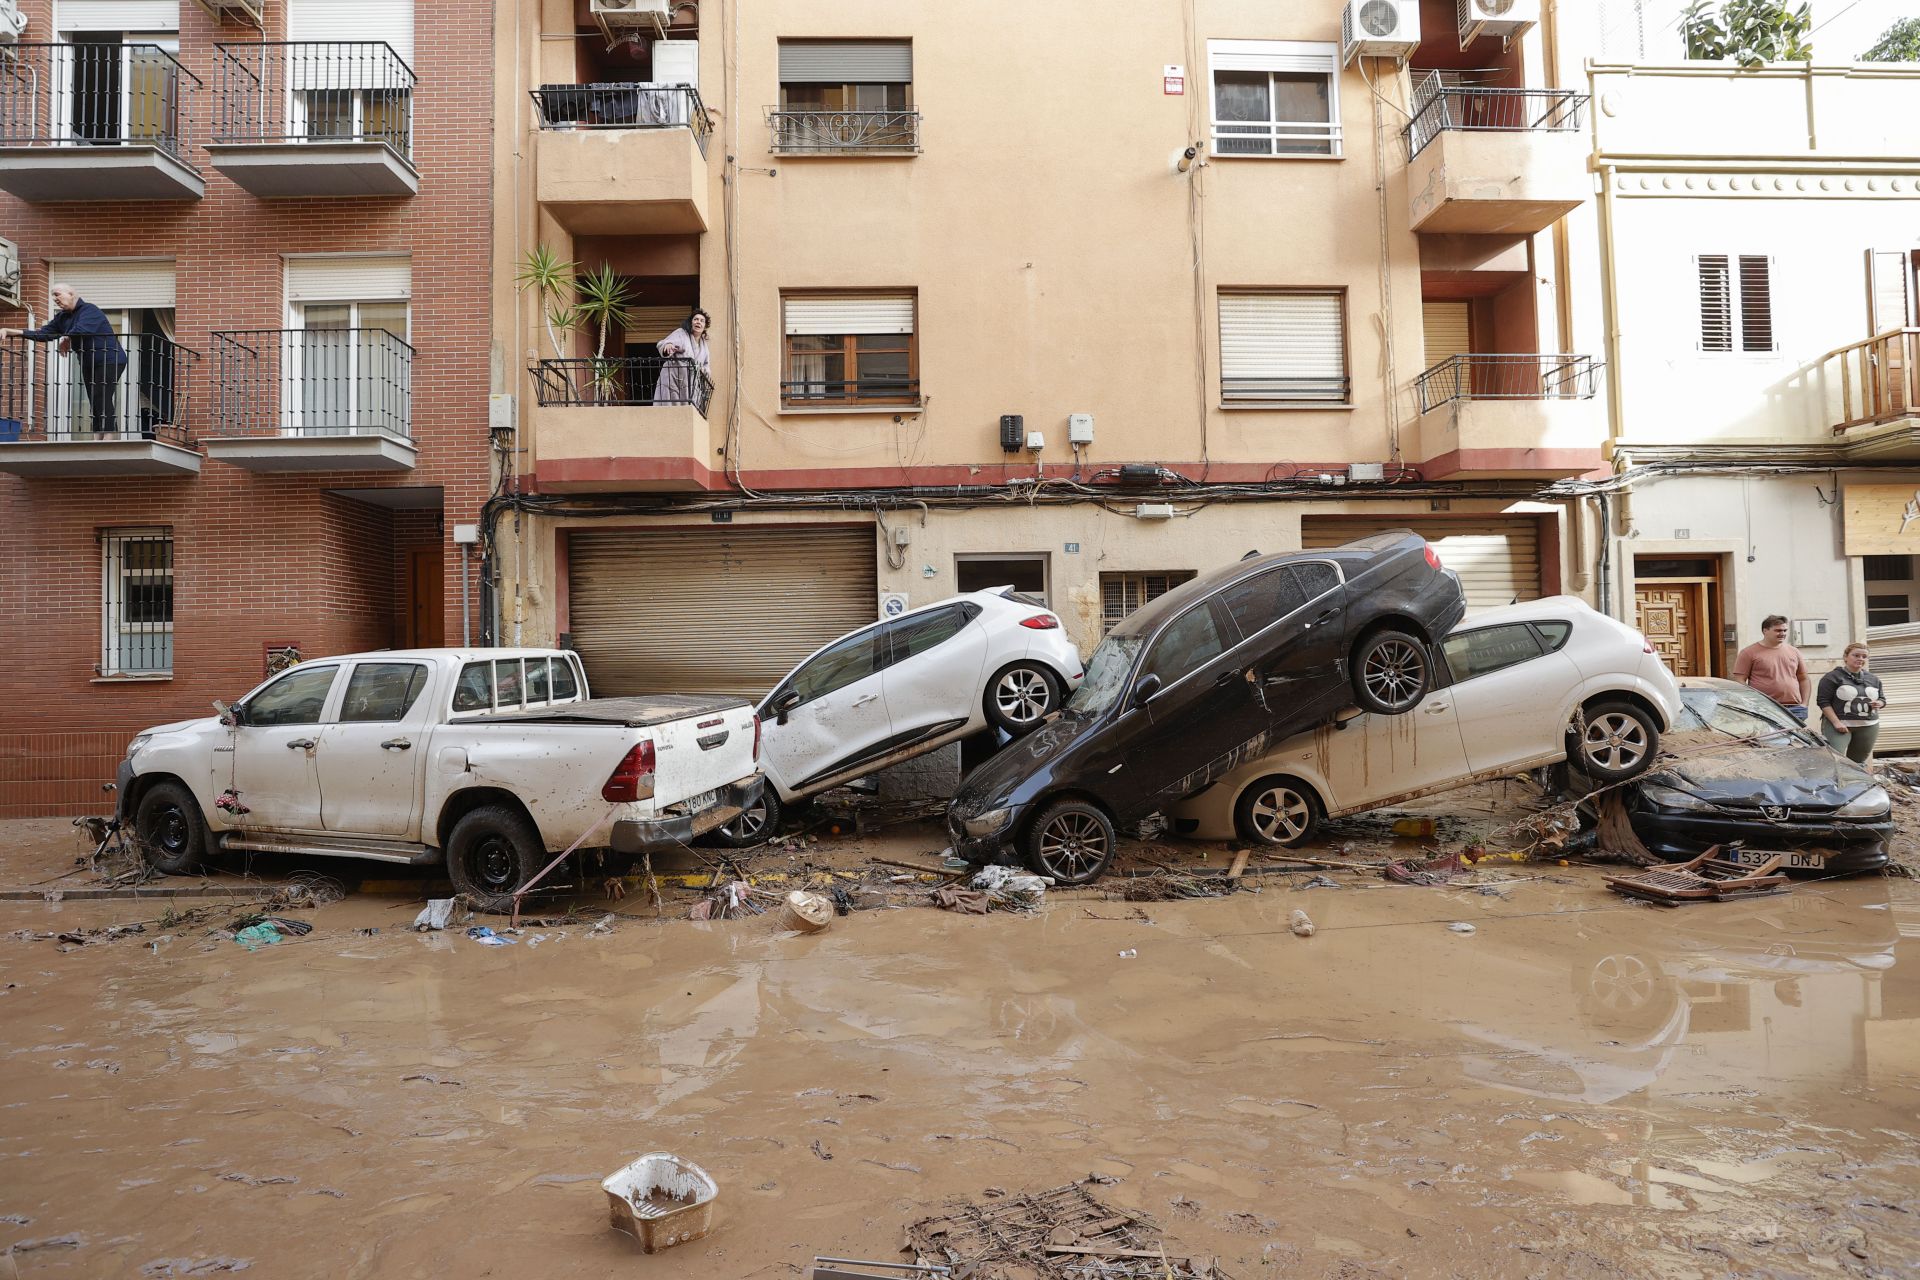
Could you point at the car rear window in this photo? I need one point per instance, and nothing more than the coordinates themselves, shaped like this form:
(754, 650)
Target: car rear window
(474, 692)
(1261, 601)
(1189, 642)
(1489, 649)
(1555, 633)
(915, 635)
(564, 685)
(1317, 577)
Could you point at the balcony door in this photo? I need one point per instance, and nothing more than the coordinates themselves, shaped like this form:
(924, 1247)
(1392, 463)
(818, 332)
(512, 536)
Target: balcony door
(116, 89)
(348, 379)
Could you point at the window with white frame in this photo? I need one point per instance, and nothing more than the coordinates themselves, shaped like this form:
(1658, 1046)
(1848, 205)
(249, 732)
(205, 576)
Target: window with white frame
(849, 349)
(1283, 346)
(1736, 301)
(136, 602)
(1274, 97)
(348, 364)
(348, 70)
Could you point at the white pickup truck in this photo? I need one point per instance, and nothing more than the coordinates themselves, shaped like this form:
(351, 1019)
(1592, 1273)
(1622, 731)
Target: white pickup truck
(493, 759)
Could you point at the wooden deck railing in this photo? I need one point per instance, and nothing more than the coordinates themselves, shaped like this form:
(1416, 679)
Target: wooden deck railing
(1879, 378)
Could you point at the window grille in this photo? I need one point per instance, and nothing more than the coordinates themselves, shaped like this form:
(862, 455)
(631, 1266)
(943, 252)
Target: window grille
(136, 604)
(1122, 593)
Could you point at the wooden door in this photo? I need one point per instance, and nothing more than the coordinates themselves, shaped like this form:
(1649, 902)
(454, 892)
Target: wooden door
(421, 618)
(1673, 616)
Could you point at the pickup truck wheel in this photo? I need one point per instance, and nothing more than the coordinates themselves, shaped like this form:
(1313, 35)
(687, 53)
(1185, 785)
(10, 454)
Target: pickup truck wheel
(1071, 841)
(171, 833)
(1277, 810)
(1391, 672)
(756, 823)
(492, 852)
(1020, 696)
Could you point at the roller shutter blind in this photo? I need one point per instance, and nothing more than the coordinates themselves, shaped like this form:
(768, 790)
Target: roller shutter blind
(1896, 660)
(1273, 55)
(650, 324)
(389, 20)
(112, 285)
(117, 15)
(1448, 331)
(846, 62)
(1282, 347)
(848, 314)
(1498, 560)
(349, 279)
(713, 611)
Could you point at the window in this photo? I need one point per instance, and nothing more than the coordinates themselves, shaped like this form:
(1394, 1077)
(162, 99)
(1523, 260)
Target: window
(348, 365)
(1736, 302)
(850, 349)
(564, 685)
(295, 698)
(912, 637)
(474, 690)
(1187, 643)
(838, 96)
(1263, 599)
(1889, 611)
(1317, 577)
(1283, 347)
(136, 604)
(382, 691)
(1490, 649)
(1026, 574)
(854, 658)
(1554, 633)
(1274, 97)
(348, 66)
(508, 684)
(1887, 568)
(1122, 593)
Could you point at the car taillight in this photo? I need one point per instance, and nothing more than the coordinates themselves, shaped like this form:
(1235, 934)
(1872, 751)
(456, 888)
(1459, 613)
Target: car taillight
(632, 778)
(1433, 557)
(756, 739)
(1041, 622)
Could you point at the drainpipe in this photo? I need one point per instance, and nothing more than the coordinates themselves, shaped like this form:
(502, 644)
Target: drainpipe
(466, 591)
(1610, 313)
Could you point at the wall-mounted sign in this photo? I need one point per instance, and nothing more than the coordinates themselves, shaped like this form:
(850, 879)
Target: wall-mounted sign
(1881, 519)
(1173, 79)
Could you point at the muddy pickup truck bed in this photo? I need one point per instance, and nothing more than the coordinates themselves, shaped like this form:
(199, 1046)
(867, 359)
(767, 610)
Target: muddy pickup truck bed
(634, 713)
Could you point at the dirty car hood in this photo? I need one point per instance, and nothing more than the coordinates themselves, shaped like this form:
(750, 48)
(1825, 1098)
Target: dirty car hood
(1000, 778)
(1792, 775)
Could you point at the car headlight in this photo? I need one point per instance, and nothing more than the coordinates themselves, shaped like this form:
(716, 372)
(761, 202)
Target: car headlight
(992, 822)
(1667, 797)
(133, 748)
(1871, 803)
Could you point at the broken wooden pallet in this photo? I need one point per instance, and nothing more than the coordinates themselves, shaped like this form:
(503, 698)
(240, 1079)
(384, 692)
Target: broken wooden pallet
(1708, 878)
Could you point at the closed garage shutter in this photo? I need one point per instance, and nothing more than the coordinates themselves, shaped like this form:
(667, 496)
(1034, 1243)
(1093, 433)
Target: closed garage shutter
(1498, 560)
(1896, 660)
(711, 610)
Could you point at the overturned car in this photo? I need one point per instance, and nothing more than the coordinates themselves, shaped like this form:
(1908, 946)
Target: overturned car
(1203, 679)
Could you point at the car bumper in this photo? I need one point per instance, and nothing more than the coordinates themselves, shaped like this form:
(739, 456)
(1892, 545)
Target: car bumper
(652, 835)
(981, 849)
(1849, 845)
(123, 793)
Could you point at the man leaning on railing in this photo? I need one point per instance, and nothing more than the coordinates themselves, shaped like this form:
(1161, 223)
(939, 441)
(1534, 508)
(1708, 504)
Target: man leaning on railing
(82, 328)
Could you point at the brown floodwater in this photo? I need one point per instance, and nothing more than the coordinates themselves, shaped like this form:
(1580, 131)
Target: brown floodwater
(1580, 1087)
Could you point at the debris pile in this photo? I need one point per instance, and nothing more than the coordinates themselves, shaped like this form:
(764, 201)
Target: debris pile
(1063, 1234)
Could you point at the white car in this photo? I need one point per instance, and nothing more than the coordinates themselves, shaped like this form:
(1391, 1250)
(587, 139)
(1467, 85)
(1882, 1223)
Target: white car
(1526, 685)
(903, 687)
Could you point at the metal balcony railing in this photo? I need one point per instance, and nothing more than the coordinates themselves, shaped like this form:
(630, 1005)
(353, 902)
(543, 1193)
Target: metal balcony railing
(85, 395)
(314, 91)
(1439, 108)
(1879, 378)
(623, 381)
(94, 95)
(623, 105)
(830, 132)
(1508, 377)
(311, 382)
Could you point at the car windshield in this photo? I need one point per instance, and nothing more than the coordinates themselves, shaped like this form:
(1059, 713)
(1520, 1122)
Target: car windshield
(1740, 712)
(1106, 674)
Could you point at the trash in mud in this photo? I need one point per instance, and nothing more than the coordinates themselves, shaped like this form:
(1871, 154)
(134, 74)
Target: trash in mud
(1432, 871)
(1414, 828)
(806, 912)
(435, 915)
(856, 1269)
(1010, 888)
(1166, 886)
(1461, 926)
(951, 897)
(1300, 923)
(256, 936)
(486, 937)
(661, 1200)
(1707, 878)
(1320, 882)
(1066, 1233)
(1129, 954)
(732, 899)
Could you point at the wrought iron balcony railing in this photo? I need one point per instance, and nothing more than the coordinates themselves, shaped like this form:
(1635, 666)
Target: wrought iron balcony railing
(623, 105)
(623, 382)
(94, 95)
(87, 395)
(312, 382)
(833, 132)
(1440, 108)
(1508, 377)
(314, 91)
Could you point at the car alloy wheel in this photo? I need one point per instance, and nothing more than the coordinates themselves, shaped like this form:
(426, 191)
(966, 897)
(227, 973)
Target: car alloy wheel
(749, 827)
(1621, 983)
(1395, 672)
(1023, 695)
(1615, 742)
(1072, 846)
(1280, 814)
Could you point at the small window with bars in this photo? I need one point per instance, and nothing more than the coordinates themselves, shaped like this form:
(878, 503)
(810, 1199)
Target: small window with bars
(1887, 568)
(136, 606)
(1122, 593)
(1736, 302)
(1889, 611)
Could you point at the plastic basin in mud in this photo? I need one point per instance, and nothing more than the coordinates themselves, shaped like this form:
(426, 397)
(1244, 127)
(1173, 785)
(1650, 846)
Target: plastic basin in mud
(661, 1200)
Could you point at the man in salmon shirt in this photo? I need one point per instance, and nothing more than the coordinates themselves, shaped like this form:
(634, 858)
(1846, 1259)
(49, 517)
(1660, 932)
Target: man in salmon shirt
(1776, 668)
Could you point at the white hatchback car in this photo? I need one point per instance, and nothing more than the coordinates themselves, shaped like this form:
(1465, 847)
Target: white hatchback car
(903, 687)
(1527, 685)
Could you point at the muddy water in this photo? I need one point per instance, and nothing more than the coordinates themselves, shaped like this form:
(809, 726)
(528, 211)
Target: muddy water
(1581, 1087)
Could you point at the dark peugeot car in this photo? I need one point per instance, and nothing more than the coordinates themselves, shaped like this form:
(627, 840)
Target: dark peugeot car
(1785, 792)
(1203, 679)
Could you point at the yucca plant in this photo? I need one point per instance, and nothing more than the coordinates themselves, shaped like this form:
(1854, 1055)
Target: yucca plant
(551, 278)
(600, 300)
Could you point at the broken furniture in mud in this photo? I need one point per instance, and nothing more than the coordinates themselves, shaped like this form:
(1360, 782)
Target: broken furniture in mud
(1708, 878)
(1065, 1233)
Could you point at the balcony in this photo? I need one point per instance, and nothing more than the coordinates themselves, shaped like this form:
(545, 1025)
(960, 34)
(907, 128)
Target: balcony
(312, 400)
(844, 133)
(1521, 416)
(1494, 161)
(314, 118)
(65, 414)
(1877, 381)
(95, 122)
(622, 159)
(621, 424)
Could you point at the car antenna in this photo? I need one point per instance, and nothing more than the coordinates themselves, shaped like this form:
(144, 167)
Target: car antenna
(1251, 555)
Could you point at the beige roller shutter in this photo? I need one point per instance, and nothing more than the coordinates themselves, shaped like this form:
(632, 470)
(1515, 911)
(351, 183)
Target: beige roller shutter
(851, 313)
(350, 20)
(713, 610)
(117, 15)
(846, 62)
(349, 278)
(1447, 330)
(1498, 559)
(1282, 346)
(112, 285)
(1896, 660)
(651, 324)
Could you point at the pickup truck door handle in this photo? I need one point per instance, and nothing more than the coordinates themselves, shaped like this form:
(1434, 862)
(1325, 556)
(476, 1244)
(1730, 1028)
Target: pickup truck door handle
(864, 699)
(300, 744)
(396, 744)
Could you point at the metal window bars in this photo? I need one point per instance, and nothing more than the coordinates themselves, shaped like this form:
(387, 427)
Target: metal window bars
(1440, 105)
(89, 393)
(623, 105)
(623, 382)
(868, 390)
(312, 382)
(1508, 377)
(801, 132)
(136, 602)
(314, 91)
(94, 94)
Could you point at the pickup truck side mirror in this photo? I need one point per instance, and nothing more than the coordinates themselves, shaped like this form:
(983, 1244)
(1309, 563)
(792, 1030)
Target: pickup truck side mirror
(1145, 688)
(229, 716)
(783, 704)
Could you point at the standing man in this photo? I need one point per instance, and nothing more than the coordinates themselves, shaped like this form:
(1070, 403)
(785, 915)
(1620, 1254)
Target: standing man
(83, 329)
(1776, 668)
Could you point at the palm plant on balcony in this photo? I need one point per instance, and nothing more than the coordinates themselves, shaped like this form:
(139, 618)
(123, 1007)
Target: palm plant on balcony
(570, 302)
(600, 300)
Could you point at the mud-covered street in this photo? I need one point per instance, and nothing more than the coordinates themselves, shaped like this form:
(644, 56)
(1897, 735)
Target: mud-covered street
(1581, 1086)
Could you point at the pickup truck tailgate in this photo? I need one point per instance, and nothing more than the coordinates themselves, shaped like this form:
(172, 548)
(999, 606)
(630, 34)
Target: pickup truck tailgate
(700, 741)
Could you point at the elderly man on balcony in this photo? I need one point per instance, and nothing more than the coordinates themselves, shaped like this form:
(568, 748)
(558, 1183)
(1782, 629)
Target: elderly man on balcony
(84, 330)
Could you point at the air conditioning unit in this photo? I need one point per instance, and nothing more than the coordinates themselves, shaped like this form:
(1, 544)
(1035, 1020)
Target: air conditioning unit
(9, 273)
(248, 11)
(623, 19)
(1379, 29)
(1503, 19)
(12, 21)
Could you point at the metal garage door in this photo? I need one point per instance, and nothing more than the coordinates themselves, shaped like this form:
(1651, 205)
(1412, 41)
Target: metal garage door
(1896, 660)
(713, 610)
(1498, 559)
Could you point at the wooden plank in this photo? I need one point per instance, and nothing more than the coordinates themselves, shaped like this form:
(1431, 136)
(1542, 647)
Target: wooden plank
(1239, 866)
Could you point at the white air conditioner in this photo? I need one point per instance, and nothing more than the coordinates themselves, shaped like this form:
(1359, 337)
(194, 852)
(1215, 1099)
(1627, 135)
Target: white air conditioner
(249, 11)
(9, 273)
(1379, 29)
(622, 19)
(12, 21)
(1503, 19)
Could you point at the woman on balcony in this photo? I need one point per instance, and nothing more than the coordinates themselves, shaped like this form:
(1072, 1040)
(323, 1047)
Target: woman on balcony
(686, 369)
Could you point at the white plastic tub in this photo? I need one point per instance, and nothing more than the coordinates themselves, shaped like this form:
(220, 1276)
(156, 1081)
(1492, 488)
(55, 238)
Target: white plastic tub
(661, 1200)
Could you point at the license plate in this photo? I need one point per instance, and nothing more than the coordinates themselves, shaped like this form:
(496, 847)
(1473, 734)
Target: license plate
(705, 800)
(1791, 860)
